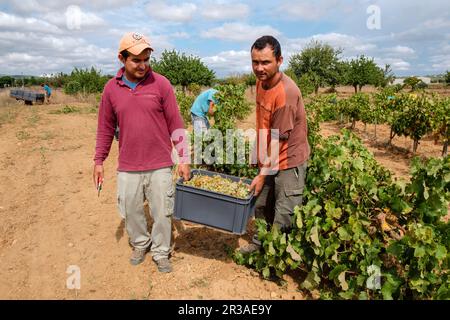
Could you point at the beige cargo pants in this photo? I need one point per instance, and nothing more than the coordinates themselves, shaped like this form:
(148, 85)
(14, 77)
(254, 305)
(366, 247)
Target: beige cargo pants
(133, 188)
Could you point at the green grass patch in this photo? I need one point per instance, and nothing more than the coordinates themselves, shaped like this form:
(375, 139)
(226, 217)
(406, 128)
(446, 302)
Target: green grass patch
(23, 135)
(8, 115)
(66, 110)
(90, 110)
(34, 118)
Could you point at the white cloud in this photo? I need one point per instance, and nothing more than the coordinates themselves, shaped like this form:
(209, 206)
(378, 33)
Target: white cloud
(19, 62)
(440, 62)
(177, 13)
(403, 50)
(51, 53)
(349, 44)
(354, 46)
(160, 43)
(436, 23)
(16, 23)
(39, 43)
(310, 11)
(76, 19)
(396, 64)
(25, 6)
(224, 11)
(239, 32)
(429, 30)
(45, 6)
(226, 62)
(180, 35)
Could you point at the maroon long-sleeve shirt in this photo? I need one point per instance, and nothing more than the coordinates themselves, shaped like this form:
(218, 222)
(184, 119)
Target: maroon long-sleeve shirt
(147, 117)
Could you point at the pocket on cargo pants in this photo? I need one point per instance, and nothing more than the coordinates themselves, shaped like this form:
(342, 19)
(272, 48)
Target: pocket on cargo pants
(289, 186)
(170, 200)
(121, 194)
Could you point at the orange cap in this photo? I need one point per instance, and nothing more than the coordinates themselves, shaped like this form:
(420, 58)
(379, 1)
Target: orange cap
(134, 43)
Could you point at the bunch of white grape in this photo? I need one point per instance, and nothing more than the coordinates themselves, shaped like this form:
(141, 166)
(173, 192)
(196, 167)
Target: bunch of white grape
(219, 184)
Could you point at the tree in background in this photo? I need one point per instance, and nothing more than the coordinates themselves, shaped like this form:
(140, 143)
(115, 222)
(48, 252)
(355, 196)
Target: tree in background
(58, 80)
(319, 62)
(234, 79)
(250, 81)
(183, 70)
(386, 77)
(363, 71)
(85, 81)
(447, 77)
(6, 81)
(34, 81)
(305, 83)
(247, 79)
(413, 82)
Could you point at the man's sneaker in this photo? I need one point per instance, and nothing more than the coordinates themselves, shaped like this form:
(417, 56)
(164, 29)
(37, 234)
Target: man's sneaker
(164, 265)
(251, 247)
(137, 256)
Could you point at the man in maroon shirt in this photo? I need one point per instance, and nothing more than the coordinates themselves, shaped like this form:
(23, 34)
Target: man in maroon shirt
(142, 103)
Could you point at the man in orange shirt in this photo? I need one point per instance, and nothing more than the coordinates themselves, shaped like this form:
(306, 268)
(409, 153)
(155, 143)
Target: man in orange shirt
(283, 131)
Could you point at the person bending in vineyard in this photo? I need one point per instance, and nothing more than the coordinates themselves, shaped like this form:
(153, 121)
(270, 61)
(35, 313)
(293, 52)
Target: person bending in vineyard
(203, 106)
(47, 91)
(281, 123)
(143, 104)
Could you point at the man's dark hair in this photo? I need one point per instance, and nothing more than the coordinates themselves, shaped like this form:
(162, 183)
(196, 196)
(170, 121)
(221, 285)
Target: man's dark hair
(265, 41)
(125, 54)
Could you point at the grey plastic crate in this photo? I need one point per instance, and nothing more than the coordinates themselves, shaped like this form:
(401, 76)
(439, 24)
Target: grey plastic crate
(27, 96)
(211, 208)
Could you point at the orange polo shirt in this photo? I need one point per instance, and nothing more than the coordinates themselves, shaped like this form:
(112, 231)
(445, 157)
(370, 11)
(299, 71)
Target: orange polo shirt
(281, 107)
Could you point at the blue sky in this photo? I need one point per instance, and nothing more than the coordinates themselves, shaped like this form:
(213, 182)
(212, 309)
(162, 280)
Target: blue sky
(47, 36)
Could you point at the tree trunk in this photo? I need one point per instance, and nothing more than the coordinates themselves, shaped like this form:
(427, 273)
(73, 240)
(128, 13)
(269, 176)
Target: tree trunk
(375, 130)
(316, 90)
(353, 123)
(415, 145)
(445, 149)
(360, 88)
(356, 88)
(391, 136)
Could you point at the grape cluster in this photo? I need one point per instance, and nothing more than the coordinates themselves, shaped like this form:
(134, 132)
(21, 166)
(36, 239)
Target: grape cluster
(219, 184)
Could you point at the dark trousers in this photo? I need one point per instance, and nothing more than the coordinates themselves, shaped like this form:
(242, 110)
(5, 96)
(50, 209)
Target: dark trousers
(279, 196)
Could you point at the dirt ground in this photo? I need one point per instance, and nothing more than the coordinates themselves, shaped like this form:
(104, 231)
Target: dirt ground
(51, 218)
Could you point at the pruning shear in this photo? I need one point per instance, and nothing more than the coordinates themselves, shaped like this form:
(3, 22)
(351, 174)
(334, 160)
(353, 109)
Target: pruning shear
(99, 186)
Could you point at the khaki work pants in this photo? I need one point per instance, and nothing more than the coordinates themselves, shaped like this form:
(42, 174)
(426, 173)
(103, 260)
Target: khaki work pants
(155, 186)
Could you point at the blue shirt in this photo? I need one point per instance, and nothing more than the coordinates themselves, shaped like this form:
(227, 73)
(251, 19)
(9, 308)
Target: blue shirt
(132, 85)
(47, 89)
(200, 106)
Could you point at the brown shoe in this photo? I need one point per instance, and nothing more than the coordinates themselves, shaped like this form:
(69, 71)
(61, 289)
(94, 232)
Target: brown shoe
(137, 256)
(249, 248)
(164, 265)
